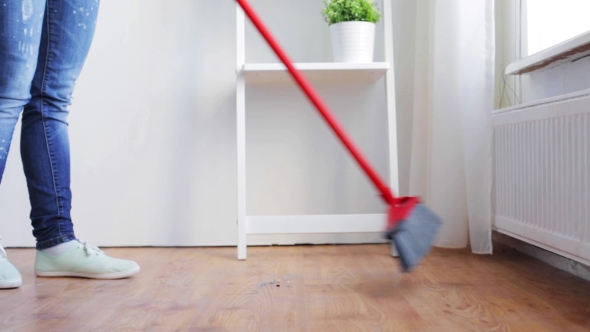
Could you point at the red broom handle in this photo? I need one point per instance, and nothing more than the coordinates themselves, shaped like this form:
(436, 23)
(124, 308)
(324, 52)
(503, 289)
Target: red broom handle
(320, 105)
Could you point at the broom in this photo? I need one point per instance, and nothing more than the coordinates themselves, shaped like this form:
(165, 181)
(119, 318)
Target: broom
(410, 224)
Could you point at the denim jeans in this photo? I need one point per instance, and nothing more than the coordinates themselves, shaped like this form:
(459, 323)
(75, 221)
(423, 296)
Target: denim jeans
(43, 47)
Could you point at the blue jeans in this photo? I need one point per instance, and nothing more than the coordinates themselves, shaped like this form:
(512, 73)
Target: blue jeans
(43, 47)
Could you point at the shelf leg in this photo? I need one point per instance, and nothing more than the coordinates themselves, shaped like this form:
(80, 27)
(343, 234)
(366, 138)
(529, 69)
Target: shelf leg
(241, 130)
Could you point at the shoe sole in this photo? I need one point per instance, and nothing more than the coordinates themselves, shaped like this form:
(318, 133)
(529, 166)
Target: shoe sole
(10, 284)
(114, 275)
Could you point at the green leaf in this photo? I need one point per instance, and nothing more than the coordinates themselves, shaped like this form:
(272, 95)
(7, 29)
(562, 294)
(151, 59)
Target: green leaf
(337, 11)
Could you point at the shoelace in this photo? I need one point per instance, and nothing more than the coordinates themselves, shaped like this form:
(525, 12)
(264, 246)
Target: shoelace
(2, 251)
(90, 249)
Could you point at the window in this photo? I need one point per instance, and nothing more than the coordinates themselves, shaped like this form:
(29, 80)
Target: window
(550, 22)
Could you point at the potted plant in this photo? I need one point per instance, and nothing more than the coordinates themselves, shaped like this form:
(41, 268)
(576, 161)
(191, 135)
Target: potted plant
(352, 28)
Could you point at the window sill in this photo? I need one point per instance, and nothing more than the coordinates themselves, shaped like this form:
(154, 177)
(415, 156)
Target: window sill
(570, 50)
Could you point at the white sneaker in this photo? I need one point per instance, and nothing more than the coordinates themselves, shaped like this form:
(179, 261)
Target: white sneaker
(9, 275)
(85, 261)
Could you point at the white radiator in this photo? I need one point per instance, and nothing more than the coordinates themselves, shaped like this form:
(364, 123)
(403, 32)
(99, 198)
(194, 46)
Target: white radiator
(542, 174)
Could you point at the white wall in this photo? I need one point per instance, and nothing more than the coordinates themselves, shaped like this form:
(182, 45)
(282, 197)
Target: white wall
(567, 78)
(153, 129)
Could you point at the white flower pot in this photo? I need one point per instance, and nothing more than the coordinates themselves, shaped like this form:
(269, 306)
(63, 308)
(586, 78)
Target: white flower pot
(353, 41)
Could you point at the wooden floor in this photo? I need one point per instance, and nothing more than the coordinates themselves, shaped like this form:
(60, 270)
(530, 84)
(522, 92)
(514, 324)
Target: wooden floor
(310, 288)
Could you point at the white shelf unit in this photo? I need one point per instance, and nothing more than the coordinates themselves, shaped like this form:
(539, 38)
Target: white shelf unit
(333, 73)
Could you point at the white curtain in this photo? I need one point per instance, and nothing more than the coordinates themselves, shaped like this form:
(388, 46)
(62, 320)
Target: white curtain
(451, 166)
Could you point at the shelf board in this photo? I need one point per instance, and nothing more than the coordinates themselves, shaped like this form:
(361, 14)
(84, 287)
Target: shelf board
(328, 72)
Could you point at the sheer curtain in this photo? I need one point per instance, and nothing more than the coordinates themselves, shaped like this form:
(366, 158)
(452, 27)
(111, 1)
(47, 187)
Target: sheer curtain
(451, 166)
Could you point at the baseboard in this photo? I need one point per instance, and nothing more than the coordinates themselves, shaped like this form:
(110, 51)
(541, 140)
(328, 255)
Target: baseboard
(548, 257)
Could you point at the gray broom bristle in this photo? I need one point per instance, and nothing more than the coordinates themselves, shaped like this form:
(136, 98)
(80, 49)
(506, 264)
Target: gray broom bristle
(413, 237)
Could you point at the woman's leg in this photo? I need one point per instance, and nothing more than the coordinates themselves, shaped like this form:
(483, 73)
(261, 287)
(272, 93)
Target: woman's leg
(20, 33)
(68, 30)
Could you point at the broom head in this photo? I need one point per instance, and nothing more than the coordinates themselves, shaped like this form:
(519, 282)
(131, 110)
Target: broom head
(413, 228)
